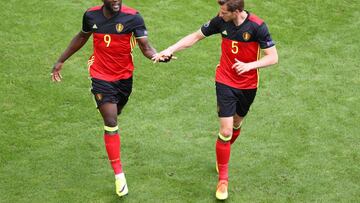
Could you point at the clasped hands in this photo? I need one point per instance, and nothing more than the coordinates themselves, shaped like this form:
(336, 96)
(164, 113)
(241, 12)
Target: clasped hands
(163, 57)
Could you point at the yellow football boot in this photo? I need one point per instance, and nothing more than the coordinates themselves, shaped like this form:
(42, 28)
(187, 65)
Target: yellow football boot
(222, 190)
(121, 187)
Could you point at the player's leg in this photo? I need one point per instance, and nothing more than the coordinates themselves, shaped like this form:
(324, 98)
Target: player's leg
(223, 148)
(111, 136)
(235, 131)
(245, 99)
(112, 144)
(107, 100)
(124, 88)
(226, 101)
(236, 127)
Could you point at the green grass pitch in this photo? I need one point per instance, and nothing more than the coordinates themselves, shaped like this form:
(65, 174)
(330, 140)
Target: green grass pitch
(300, 142)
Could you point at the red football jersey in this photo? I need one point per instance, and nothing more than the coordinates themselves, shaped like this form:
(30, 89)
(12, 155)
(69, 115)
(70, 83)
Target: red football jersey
(113, 42)
(241, 42)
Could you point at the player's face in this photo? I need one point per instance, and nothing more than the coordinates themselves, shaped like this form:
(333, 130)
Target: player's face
(225, 14)
(112, 5)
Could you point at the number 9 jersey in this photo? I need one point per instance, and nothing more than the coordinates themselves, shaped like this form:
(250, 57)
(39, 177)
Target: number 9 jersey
(113, 42)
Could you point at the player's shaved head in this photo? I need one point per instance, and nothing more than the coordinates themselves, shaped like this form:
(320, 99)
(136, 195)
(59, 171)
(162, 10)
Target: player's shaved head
(233, 5)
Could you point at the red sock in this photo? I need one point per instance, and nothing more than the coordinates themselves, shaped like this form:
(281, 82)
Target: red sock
(222, 158)
(235, 135)
(112, 145)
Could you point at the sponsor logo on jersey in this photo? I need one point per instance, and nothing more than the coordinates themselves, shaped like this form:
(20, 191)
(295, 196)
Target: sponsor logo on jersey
(246, 36)
(95, 26)
(224, 32)
(119, 27)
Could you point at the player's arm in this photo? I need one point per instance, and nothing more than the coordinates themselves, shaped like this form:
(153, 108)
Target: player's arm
(145, 47)
(149, 52)
(76, 43)
(184, 43)
(270, 57)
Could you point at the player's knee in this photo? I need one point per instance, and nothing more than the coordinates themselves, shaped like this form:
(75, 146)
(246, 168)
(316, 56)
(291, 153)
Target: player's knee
(226, 132)
(110, 122)
(225, 135)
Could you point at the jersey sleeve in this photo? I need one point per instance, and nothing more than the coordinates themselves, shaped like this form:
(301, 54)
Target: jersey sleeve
(139, 27)
(211, 27)
(86, 27)
(263, 37)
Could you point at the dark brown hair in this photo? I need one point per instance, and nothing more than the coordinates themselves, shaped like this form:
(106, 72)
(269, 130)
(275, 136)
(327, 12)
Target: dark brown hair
(233, 5)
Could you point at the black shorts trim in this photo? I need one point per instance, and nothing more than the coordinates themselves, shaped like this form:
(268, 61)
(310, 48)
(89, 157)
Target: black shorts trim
(116, 92)
(231, 100)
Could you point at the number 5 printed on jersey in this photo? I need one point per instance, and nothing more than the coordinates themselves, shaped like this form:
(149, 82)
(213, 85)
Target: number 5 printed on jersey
(234, 47)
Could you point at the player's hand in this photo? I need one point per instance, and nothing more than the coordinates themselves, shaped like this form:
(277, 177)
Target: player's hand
(55, 73)
(164, 56)
(241, 67)
(165, 59)
(160, 58)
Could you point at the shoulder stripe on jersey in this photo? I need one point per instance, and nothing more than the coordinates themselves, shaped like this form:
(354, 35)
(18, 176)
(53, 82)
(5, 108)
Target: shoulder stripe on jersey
(132, 42)
(95, 8)
(128, 10)
(255, 19)
(257, 70)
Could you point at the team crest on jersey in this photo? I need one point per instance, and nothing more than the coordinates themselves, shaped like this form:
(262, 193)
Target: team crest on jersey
(119, 27)
(246, 36)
